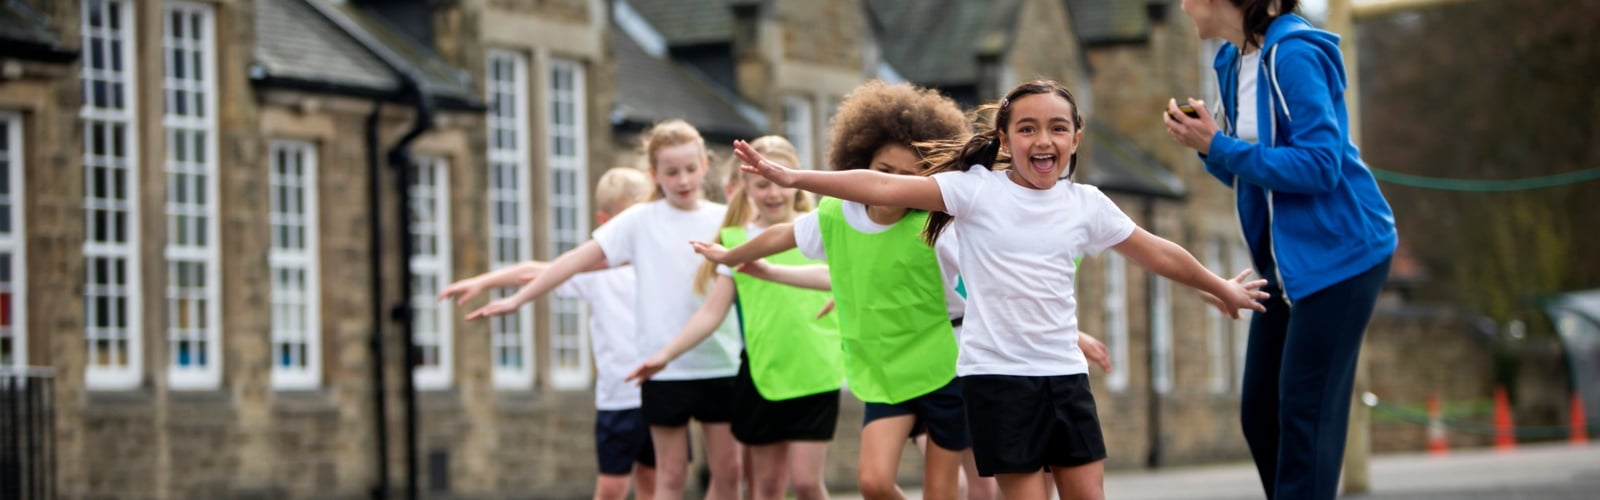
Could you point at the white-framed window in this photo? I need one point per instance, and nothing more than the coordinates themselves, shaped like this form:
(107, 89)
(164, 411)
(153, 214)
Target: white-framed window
(194, 310)
(1161, 333)
(429, 230)
(13, 260)
(293, 265)
(1217, 328)
(797, 127)
(111, 296)
(1240, 257)
(568, 159)
(510, 215)
(1116, 324)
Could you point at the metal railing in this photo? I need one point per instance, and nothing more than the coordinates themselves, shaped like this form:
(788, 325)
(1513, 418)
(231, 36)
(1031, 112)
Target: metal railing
(27, 434)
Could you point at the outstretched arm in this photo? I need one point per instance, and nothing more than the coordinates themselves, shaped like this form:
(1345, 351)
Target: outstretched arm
(586, 257)
(1173, 262)
(510, 276)
(700, 325)
(862, 186)
(776, 238)
(814, 277)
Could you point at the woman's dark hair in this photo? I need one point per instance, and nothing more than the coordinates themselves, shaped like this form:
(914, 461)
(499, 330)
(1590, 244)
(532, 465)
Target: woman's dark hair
(983, 148)
(1259, 14)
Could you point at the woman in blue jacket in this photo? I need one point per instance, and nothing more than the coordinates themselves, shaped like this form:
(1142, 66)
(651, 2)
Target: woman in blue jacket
(1318, 230)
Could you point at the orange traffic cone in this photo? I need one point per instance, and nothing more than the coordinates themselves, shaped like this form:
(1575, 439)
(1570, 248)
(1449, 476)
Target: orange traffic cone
(1437, 443)
(1580, 425)
(1504, 440)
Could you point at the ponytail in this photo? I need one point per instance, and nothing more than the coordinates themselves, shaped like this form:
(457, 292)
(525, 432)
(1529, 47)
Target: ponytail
(982, 149)
(739, 213)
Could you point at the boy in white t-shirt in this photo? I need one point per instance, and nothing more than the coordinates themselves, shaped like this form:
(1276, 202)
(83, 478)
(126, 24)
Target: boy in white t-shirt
(622, 440)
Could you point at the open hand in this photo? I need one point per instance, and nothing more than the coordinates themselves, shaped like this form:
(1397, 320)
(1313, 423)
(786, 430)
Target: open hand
(756, 163)
(1242, 294)
(500, 307)
(463, 290)
(1195, 133)
(649, 368)
(1095, 351)
(712, 252)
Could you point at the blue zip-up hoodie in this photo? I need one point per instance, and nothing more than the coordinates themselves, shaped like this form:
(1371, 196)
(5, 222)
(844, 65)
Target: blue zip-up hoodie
(1305, 180)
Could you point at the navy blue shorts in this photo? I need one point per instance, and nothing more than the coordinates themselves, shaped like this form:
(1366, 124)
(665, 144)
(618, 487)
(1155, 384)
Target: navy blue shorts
(621, 439)
(1025, 424)
(941, 414)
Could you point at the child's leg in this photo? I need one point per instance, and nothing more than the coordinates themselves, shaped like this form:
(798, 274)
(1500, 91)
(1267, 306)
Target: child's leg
(881, 442)
(672, 460)
(806, 460)
(769, 470)
(943, 413)
(1023, 485)
(1080, 482)
(977, 487)
(611, 487)
(941, 471)
(644, 481)
(722, 454)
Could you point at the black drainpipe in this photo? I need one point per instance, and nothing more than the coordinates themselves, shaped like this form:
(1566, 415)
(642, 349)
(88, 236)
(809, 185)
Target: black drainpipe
(1154, 458)
(375, 266)
(400, 159)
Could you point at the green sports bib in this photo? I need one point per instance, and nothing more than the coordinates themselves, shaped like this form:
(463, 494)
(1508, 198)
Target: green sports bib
(889, 295)
(791, 352)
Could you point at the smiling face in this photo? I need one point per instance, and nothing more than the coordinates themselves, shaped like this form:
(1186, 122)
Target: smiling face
(679, 170)
(1041, 136)
(774, 204)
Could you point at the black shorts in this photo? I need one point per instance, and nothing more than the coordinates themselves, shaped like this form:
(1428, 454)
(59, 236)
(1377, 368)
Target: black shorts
(671, 403)
(757, 420)
(1023, 424)
(940, 413)
(621, 439)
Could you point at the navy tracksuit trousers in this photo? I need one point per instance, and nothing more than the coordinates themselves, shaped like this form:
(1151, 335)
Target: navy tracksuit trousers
(1299, 369)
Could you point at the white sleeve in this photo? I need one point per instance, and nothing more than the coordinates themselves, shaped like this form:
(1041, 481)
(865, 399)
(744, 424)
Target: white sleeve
(959, 189)
(1109, 226)
(808, 236)
(616, 237)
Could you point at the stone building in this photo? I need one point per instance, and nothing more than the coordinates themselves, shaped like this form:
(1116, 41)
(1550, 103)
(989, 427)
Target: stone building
(204, 236)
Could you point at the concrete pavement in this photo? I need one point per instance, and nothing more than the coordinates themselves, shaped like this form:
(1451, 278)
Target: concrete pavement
(1545, 471)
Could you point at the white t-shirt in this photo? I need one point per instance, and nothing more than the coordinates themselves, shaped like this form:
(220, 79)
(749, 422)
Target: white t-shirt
(1017, 251)
(655, 238)
(1249, 128)
(610, 294)
(808, 238)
